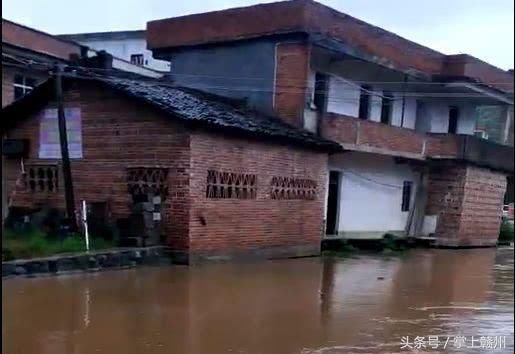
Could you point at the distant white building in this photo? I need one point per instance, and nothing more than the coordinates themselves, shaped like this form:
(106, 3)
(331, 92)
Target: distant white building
(127, 45)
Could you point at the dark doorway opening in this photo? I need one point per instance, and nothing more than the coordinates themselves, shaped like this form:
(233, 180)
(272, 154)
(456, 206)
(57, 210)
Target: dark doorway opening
(332, 203)
(454, 114)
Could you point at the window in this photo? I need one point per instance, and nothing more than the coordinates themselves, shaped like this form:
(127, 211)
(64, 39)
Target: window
(406, 195)
(144, 180)
(453, 120)
(41, 178)
(364, 102)
(293, 188)
(386, 108)
(23, 85)
(137, 59)
(49, 144)
(230, 185)
(320, 93)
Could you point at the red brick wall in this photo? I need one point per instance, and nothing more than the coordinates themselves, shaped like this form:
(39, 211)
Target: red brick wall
(38, 41)
(233, 224)
(292, 66)
(482, 206)
(351, 130)
(443, 146)
(7, 85)
(466, 65)
(8, 73)
(117, 134)
(468, 201)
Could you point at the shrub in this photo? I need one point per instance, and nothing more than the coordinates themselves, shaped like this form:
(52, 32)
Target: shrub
(506, 232)
(32, 243)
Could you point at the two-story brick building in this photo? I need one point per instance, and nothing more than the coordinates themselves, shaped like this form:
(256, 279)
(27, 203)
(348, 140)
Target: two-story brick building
(405, 114)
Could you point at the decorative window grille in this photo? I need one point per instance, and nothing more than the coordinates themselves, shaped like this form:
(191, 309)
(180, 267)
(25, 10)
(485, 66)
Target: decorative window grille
(144, 180)
(41, 178)
(230, 185)
(293, 188)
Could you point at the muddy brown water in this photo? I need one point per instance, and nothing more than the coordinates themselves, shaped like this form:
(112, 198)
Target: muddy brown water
(362, 304)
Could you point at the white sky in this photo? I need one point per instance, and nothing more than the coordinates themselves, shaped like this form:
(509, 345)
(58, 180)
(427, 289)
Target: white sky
(482, 28)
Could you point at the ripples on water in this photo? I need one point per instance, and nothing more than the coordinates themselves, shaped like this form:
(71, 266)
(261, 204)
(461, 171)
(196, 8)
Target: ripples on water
(363, 304)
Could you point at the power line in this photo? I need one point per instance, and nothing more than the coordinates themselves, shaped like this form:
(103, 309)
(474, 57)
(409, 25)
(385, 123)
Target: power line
(301, 90)
(32, 62)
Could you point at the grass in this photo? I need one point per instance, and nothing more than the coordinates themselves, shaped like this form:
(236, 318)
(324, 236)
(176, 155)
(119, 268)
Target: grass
(506, 233)
(34, 243)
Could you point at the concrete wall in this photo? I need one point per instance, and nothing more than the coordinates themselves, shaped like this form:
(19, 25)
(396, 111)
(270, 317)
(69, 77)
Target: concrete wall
(371, 194)
(124, 48)
(243, 71)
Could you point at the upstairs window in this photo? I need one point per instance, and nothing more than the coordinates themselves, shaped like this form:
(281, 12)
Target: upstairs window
(23, 85)
(137, 59)
(454, 114)
(364, 102)
(386, 108)
(320, 92)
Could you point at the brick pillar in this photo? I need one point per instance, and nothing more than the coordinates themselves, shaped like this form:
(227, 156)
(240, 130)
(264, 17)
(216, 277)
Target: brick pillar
(291, 78)
(468, 202)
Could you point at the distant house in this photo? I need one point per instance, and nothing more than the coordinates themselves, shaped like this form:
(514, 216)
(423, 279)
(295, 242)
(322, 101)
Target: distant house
(127, 45)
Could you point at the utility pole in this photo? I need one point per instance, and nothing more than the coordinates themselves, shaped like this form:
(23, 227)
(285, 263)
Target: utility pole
(65, 156)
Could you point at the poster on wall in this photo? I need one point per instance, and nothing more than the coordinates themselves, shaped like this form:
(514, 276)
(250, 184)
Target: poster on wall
(49, 146)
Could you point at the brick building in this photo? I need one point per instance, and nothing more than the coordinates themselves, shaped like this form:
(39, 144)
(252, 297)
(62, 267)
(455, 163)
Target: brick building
(232, 181)
(332, 126)
(406, 116)
(28, 56)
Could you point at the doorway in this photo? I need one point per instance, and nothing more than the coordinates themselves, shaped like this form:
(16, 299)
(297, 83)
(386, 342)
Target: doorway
(332, 203)
(454, 114)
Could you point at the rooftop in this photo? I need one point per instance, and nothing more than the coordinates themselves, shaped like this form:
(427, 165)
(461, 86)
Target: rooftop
(187, 105)
(34, 40)
(317, 21)
(101, 36)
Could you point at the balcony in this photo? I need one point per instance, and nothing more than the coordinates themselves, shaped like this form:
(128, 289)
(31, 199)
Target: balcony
(471, 149)
(367, 136)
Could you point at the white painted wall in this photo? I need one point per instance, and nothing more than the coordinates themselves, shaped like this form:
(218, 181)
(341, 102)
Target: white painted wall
(366, 206)
(343, 97)
(435, 116)
(124, 48)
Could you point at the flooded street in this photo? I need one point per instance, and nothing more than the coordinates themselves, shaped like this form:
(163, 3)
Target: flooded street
(363, 304)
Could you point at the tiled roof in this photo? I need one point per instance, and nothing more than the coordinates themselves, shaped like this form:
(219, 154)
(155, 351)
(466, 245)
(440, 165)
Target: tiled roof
(198, 107)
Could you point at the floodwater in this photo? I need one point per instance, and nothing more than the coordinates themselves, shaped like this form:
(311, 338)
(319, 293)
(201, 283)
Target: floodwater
(363, 304)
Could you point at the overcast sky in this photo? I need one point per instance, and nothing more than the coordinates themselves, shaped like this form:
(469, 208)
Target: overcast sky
(482, 28)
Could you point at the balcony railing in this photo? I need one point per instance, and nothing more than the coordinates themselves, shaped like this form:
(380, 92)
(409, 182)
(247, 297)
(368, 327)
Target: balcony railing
(470, 149)
(367, 136)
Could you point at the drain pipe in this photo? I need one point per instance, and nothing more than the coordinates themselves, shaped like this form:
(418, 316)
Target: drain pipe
(417, 201)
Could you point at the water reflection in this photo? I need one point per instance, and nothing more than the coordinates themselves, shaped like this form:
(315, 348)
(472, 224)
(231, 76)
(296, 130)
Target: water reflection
(363, 304)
